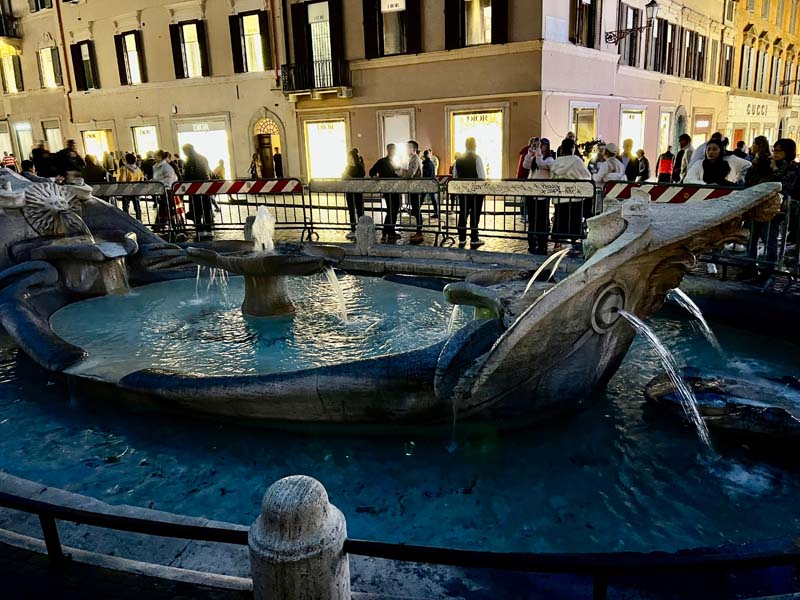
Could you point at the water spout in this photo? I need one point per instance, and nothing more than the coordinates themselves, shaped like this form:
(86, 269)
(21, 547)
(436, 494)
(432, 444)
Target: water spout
(687, 303)
(337, 291)
(558, 256)
(451, 323)
(263, 231)
(687, 398)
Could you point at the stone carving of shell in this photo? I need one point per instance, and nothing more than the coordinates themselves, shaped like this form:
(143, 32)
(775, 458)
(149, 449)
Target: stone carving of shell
(52, 210)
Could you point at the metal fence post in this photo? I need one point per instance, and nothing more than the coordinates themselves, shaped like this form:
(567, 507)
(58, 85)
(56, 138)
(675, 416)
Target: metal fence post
(297, 544)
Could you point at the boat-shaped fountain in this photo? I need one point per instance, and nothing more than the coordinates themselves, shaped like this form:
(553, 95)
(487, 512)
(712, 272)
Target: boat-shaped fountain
(531, 351)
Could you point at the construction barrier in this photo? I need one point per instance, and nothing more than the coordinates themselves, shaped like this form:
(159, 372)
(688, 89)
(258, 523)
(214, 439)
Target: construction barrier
(394, 204)
(667, 193)
(537, 210)
(226, 205)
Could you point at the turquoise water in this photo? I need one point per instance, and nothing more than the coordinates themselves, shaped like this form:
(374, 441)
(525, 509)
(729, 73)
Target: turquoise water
(198, 327)
(615, 477)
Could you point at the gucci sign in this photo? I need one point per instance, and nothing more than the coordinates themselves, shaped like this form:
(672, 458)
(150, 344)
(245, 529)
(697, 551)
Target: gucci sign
(758, 110)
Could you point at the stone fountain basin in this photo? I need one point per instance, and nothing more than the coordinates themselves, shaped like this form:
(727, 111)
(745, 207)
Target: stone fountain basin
(752, 408)
(287, 259)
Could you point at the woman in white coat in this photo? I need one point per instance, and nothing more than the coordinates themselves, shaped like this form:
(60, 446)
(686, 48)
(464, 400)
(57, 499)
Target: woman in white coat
(538, 160)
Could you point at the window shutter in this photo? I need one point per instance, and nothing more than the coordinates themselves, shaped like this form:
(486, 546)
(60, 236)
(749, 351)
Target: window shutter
(32, 5)
(235, 26)
(77, 67)
(39, 64)
(499, 21)
(336, 25)
(202, 39)
(18, 73)
(265, 28)
(137, 37)
(598, 24)
(453, 24)
(177, 50)
(93, 65)
(371, 46)
(59, 77)
(119, 43)
(300, 36)
(414, 26)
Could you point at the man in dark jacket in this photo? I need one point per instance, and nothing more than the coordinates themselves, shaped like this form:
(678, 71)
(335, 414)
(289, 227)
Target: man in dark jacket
(386, 169)
(196, 169)
(147, 165)
(684, 140)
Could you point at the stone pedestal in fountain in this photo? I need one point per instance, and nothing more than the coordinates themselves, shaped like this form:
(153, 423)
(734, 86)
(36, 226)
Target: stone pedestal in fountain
(297, 544)
(265, 273)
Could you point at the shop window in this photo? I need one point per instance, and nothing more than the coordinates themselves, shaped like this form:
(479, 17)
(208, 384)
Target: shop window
(487, 127)
(584, 123)
(632, 127)
(190, 49)
(250, 42)
(326, 148)
(12, 74)
(475, 22)
(97, 142)
(130, 58)
(49, 68)
(24, 133)
(210, 138)
(53, 135)
(84, 63)
(145, 139)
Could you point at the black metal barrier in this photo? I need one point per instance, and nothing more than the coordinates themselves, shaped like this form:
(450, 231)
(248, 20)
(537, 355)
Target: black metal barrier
(537, 210)
(148, 201)
(394, 204)
(599, 566)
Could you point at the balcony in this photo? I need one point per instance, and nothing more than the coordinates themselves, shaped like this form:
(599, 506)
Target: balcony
(790, 102)
(317, 79)
(9, 27)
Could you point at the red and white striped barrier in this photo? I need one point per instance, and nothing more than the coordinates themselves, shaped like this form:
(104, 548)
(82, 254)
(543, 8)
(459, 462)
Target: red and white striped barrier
(666, 193)
(265, 186)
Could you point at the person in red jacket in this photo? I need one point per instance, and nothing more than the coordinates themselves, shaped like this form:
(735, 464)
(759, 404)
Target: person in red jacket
(522, 172)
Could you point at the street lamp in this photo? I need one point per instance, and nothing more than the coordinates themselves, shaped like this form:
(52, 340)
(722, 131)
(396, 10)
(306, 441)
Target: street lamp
(650, 10)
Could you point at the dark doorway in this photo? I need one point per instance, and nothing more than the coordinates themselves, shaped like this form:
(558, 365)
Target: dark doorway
(265, 153)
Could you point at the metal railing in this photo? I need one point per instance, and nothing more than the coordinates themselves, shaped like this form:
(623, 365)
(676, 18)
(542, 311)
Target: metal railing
(601, 567)
(318, 74)
(228, 205)
(535, 210)
(337, 204)
(9, 27)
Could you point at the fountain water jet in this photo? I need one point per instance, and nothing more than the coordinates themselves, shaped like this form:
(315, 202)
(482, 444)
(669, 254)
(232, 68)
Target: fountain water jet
(558, 256)
(337, 292)
(688, 400)
(687, 303)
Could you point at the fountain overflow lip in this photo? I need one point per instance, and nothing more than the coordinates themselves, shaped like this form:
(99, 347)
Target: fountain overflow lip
(645, 260)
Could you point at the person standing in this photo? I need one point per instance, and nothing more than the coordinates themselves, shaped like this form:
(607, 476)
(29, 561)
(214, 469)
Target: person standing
(9, 162)
(716, 168)
(664, 167)
(170, 207)
(147, 165)
(740, 152)
(686, 149)
(537, 162)
(69, 163)
(196, 169)
(355, 201)
(469, 166)
(700, 152)
(110, 165)
(92, 172)
(629, 160)
(414, 171)
(611, 169)
(570, 213)
(429, 172)
(644, 166)
(219, 171)
(129, 172)
(255, 166)
(277, 161)
(384, 168)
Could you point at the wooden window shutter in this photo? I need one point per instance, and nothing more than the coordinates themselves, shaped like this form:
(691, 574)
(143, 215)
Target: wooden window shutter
(413, 27)
(237, 47)
(202, 38)
(265, 28)
(453, 24)
(499, 21)
(598, 24)
(18, 73)
(39, 65)
(336, 23)
(77, 67)
(122, 67)
(58, 75)
(176, 36)
(93, 65)
(137, 37)
(371, 45)
(300, 38)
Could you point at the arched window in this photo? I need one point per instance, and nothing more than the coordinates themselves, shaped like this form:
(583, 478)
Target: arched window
(266, 126)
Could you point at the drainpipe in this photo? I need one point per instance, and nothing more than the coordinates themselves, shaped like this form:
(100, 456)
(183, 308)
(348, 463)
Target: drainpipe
(274, 41)
(66, 62)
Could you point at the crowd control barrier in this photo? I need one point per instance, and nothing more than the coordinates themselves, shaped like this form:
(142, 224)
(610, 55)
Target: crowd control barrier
(536, 210)
(150, 202)
(225, 205)
(410, 204)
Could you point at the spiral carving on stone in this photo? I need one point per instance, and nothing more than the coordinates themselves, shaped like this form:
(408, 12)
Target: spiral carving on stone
(52, 210)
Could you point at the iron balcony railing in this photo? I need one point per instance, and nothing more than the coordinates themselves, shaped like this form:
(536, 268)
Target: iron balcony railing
(9, 27)
(319, 74)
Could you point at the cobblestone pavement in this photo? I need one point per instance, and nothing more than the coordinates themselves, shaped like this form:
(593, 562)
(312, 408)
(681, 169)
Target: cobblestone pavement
(27, 575)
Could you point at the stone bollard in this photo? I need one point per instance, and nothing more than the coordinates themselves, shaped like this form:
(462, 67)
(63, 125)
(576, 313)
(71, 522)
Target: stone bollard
(296, 545)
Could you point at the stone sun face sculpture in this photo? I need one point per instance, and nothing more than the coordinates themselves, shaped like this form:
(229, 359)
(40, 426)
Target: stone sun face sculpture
(53, 210)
